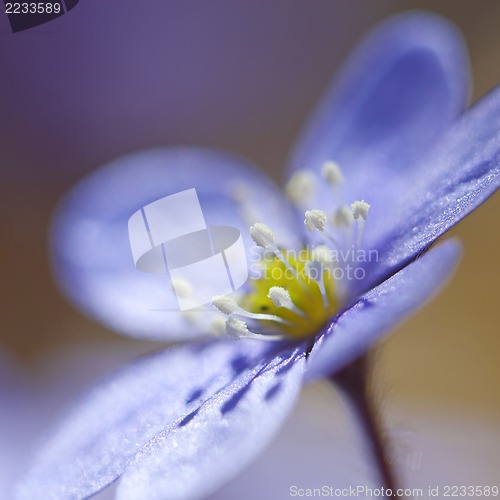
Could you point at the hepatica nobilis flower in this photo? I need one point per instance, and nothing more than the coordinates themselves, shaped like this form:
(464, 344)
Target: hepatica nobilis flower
(387, 163)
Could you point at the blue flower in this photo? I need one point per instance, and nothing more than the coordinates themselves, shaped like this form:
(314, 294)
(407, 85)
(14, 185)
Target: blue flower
(180, 422)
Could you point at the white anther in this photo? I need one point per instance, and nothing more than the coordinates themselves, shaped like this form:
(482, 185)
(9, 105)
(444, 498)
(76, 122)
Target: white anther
(322, 254)
(182, 287)
(360, 213)
(236, 328)
(280, 297)
(315, 219)
(332, 173)
(360, 210)
(300, 188)
(218, 326)
(225, 304)
(262, 235)
(343, 217)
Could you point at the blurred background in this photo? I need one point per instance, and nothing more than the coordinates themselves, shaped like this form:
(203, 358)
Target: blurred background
(115, 76)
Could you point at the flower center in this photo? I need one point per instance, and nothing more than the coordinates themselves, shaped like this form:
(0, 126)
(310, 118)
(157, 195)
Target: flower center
(301, 292)
(296, 293)
(293, 297)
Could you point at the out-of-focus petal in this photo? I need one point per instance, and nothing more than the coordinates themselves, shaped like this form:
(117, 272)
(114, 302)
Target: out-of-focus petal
(390, 104)
(18, 424)
(318, 434)
(380, 310)
(459, 175)
(199, 453)
(91, 254)
(95, 442)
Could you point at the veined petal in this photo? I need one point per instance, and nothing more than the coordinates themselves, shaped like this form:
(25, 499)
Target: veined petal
(91, 254)
(113, 421)
(192, 458)
(380, 310)
(392, 100)
(462, 172)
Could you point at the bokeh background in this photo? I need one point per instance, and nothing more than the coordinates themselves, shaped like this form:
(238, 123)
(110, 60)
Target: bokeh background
(115, 76)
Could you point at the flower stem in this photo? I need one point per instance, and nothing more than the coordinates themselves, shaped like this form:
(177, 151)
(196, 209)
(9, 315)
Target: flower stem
(353, 382)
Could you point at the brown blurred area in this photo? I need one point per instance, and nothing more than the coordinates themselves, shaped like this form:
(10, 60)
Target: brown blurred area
(446, 355)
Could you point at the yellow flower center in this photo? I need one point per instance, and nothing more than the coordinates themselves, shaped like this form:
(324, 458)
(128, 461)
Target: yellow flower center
(296, 293)
(314, 297)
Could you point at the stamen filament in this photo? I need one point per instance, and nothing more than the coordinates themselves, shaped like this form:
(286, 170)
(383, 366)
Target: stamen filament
(314, 270)
(238, 329)
(322, 288)
(360, 211)
(329, 237)
(343, 220)
(229, 306)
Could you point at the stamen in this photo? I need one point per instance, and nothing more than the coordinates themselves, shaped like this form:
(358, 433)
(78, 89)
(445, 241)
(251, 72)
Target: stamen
(280, 297)
(315, 270)
(225, 304)
(360, 211)
(301, 187)
(264, 237)
(343, 220)
(343, 217)
(332, 174)
(315, 219)
(229, 306)
(238, 329)
(284, 303)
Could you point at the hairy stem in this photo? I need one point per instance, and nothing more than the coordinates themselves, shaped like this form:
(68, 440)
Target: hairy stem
(353, 382)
